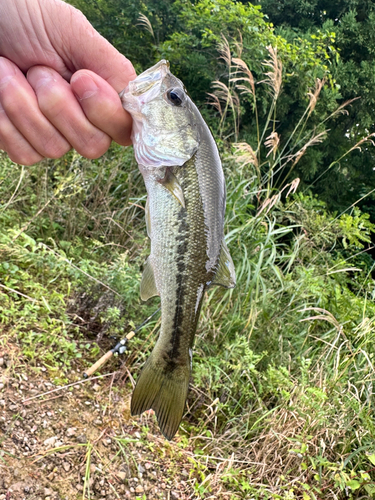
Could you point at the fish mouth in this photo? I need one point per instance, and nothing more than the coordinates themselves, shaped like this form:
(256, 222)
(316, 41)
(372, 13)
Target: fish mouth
(147, 84)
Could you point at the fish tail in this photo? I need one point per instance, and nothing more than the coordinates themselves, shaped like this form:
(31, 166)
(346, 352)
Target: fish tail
(163, 387)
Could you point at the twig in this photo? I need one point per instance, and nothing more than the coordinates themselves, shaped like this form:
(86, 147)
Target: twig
(66, 387)
(19, 293)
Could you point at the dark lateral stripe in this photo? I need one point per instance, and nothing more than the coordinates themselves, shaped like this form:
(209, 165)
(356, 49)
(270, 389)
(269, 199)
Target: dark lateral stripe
(183, 231)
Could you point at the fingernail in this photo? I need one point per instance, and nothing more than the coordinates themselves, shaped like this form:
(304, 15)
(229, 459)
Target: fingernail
(7, 70)
(39, 76)
(84, 86)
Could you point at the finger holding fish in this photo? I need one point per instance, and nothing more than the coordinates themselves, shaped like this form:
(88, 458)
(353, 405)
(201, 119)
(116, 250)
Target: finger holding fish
(44, 116)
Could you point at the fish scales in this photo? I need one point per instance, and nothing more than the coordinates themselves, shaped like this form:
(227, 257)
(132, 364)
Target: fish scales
(181, 167)
(179, 259)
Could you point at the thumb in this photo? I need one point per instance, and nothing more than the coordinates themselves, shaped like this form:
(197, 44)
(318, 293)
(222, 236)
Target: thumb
(82, 47)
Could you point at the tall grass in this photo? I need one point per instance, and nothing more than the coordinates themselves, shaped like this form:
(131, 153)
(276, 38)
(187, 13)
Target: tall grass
(286, 358)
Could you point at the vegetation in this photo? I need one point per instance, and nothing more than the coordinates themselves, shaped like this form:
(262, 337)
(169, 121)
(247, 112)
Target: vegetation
(281, 405)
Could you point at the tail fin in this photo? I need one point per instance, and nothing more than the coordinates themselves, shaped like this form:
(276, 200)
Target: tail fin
(163, 389)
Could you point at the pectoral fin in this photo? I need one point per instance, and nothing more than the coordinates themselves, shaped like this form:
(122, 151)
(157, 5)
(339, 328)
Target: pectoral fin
(171, 183)
(148, 285)
(226, 274)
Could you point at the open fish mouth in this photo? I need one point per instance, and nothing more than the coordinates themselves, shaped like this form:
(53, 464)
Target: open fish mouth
(147, 84)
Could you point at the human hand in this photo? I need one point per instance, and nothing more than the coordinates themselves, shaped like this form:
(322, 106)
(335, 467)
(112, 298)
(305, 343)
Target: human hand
(69, 96)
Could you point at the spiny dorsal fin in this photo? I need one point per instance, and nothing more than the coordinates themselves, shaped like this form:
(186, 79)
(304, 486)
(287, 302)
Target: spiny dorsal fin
(226, 274)
(148, 285)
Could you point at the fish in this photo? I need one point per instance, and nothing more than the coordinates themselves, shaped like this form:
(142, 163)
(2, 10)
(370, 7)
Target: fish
(185, 208)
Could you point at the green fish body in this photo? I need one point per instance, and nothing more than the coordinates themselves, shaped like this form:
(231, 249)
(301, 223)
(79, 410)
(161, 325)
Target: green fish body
(182, 171)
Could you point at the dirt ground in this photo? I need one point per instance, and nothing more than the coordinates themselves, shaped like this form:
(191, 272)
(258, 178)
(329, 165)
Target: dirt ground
(80, 442)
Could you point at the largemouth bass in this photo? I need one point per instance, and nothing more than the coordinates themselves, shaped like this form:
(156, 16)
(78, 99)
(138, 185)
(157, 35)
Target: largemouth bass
(182, 171)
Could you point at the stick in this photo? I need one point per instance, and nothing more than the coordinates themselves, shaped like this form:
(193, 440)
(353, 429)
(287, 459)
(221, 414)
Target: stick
(108, 355)
(120, 348)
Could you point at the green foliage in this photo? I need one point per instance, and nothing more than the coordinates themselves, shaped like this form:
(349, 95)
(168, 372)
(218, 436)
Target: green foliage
(352, 23)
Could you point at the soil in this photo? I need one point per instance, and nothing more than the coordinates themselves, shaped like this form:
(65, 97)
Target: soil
(80, 442)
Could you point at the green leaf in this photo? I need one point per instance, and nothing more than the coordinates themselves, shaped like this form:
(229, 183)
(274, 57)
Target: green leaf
(353, 484)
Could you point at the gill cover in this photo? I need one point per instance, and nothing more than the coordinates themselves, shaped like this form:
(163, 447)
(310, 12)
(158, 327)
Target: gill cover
(165, 131)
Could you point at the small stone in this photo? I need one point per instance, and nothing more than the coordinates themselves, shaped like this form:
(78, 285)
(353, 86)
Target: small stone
(70, 432)
(48, 492)
(92, 468)
(1, 361)
(82, 439)
(141, 469)
(121, 476)
(148, 466)
(96, 387)
(50, 442)
(66, 466)
(139, 489)
(79, 487)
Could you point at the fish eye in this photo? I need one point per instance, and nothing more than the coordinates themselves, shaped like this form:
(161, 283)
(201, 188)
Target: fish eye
(175, 96)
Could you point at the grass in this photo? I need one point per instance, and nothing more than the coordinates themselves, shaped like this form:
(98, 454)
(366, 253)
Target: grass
(281, 405)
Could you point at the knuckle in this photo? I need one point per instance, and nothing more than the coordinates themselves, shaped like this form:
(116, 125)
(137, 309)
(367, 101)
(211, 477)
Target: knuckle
(57, 152)
(95, 146)
(10, 101)
(51, 102)
(55, 148)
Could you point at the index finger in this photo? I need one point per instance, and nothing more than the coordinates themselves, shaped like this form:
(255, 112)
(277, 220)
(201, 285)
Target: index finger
(102, 105)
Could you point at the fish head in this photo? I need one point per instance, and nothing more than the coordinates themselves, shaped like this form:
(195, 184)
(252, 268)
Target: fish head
(165, 120)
